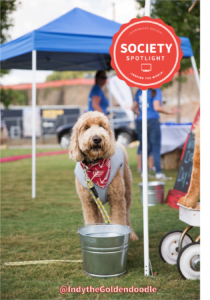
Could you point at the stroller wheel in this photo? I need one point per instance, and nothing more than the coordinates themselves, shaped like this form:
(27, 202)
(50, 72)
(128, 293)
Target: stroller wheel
(188, 261)
(168, 247)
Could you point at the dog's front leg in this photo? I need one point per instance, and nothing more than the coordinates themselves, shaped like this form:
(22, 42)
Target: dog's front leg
(116, 198)
(193, 193)
(89, 207)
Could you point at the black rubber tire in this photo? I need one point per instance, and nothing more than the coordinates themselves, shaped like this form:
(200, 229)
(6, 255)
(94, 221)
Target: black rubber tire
(165, 237)
(67, 135)
(127, 136)
(179, 257)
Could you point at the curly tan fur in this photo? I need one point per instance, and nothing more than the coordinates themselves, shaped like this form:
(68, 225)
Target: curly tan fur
(190, 200)
(82, 148)
(81, 144)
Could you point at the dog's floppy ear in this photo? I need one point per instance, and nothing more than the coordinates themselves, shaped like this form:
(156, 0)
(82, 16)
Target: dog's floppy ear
(112, 148)
(74, 150)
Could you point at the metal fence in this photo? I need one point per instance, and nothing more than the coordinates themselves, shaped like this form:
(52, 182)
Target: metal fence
(15, 126)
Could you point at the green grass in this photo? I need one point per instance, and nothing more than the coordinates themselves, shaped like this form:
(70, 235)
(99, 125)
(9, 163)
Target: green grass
(46, 228)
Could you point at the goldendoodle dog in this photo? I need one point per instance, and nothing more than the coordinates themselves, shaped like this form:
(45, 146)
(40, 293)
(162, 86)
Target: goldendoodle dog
(190, 200)
(93, 146)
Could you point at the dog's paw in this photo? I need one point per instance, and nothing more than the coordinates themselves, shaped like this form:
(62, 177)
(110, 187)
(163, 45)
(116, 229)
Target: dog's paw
(191, 203)
(133, 236)
(182, 201)
(187, 202)
(198, 207)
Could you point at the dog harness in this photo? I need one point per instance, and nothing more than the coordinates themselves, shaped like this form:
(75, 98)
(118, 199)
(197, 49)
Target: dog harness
(117, 161)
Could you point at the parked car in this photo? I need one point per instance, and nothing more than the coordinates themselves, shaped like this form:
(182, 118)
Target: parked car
(124, 129)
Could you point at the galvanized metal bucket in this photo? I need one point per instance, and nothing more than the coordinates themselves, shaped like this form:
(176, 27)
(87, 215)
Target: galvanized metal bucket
(155, 192)
(104, 249)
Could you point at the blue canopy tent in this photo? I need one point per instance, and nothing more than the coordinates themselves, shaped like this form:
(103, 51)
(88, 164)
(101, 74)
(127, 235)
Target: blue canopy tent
(86, 36)
(75, 41)
(78, 40)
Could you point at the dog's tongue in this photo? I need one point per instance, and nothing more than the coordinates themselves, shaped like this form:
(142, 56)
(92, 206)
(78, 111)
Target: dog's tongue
(99, 172)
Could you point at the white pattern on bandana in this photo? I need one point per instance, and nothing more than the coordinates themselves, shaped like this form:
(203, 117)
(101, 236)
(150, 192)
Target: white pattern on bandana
(99, 173)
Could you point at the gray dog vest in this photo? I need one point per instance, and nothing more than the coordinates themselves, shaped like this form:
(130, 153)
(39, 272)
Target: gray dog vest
(117, 161)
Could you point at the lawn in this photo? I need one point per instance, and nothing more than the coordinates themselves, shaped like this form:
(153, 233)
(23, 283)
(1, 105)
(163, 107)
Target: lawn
(46, 228)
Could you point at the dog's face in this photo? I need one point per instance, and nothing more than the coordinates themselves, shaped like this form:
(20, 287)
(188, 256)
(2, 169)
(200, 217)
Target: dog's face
(92, 138)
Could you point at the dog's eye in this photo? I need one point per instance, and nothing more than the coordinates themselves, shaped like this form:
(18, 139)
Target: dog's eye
(87, 127)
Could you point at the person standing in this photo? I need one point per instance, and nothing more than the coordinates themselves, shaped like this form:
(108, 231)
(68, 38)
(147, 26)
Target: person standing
(154, 101)
(97, 101)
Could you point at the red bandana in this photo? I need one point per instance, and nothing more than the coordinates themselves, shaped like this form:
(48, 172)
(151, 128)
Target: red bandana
(99, 173)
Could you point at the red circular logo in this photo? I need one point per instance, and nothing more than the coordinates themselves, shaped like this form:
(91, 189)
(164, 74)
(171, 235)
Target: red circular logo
(146, 53)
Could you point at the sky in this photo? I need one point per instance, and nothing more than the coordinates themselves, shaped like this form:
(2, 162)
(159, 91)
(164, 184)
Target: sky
(32, 14)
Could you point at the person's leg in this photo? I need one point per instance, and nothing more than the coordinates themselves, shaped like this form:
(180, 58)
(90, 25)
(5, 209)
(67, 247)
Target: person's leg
(150, 157)
(151, 162)
(155, 140)
(139, 150)
(139, 162)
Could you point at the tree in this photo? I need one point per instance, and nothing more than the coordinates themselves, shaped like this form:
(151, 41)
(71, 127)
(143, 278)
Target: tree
(175, 14)
(6, 98)
(6, 8)
(69, 75)
(16, 97)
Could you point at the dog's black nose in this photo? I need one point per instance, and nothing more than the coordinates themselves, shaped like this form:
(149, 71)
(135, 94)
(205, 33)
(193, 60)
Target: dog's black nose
(97, 139)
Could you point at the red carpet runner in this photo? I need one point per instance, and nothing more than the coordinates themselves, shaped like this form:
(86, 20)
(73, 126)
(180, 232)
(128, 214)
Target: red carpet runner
(19, 157)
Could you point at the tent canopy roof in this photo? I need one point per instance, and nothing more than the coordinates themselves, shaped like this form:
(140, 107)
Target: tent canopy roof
(78, 40)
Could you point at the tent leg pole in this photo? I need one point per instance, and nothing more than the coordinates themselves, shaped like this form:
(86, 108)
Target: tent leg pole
(195, 71)
(34, 124)
(145, 183)
(110, 103)
(147, 8)
(145, 171)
